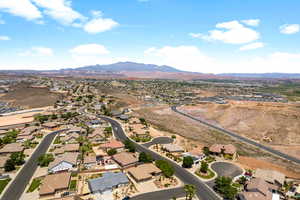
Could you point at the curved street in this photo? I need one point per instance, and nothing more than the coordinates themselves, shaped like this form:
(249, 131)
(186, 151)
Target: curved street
(158, 140)
(19, 183)
(204, 192)
(241, 138)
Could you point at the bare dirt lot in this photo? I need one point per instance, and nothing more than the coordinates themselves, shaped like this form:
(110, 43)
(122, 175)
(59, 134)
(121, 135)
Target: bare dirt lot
(197, 135)
(26, 97)
(272, 123)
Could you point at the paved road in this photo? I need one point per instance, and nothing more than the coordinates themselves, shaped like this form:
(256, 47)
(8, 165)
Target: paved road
(159, 140)
(163, 194)
(203, 191)
(225, 169)
(241, 138)
(17, 187)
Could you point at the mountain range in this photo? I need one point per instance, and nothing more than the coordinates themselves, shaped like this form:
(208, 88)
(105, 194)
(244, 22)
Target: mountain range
(141, 70)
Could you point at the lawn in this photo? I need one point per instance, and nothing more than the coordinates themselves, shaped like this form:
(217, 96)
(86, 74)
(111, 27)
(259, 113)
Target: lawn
(209, 175)
(34, 185)
(73, 185)
(3, 184)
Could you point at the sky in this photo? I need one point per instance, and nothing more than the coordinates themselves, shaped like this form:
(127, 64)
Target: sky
(209, 36)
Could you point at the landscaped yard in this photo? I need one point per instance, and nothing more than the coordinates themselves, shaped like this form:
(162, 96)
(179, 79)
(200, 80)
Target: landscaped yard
(3, 184)
(34, 184)
(73, 185)
(208, 175)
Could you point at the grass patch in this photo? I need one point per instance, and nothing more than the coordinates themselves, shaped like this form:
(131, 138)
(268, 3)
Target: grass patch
(95, 176)
(210, 174)
(34, 185)
(73, 185)
(3, 184)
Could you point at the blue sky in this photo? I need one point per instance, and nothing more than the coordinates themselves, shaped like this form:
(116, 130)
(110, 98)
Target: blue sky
(211, 36)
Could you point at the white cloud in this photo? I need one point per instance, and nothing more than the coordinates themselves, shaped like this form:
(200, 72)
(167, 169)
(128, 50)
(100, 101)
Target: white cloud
(251, 22)
(233, 33)
(99, 24)
(89, 49)
(191, 58)
(182, 57)
(38, 52)
(289, 28)
(21, 8)
(61, 10)
(196, 35)
(251, 46)
(3, 37)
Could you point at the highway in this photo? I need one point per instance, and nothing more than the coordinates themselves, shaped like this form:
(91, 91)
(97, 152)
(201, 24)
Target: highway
(203, 191)
(17, 187)
(241, 138)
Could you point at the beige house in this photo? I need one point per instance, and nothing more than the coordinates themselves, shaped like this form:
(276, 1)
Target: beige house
(11, 148)
(257, 189)
(55, 183)
(144, 172)
(125, 159)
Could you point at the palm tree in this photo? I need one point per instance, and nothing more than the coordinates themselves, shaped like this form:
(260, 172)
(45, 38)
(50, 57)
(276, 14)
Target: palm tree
(190, 191)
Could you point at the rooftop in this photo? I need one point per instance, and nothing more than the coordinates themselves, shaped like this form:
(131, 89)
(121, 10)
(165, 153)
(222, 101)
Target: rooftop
(54, 182)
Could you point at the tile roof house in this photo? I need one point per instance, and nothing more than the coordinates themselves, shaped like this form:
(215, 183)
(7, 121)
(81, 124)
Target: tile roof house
(107, 182)
(70, 138)
(64, 162)
(125, 159)
(270, 176)
(71, 147)
(257, 189)
(172, 148)
(112, 144)
(144, 172)
(55, 182)
(221, 148)
(90, 161)
(28, 130)
(12, 148)
(50, 125)
(97, 135)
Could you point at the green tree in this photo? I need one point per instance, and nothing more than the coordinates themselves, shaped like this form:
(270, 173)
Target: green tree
(45, 159)
(130, 146)
(187, 162)
(165, 167)
(145, 158)
(111, 152)
(190, 191)
(18, 158)
(223, 185)
(9, 165)
(204, 167)
(206, 151)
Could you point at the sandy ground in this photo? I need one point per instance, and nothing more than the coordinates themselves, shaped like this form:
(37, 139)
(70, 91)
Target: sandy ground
(191, 135)
(272, 123)
(19, 118)
(26, 97)
(253, 163)
(293, 150)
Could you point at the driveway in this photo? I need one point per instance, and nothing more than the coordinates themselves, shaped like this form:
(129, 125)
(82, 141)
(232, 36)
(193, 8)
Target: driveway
(159, 140)
(225, 169)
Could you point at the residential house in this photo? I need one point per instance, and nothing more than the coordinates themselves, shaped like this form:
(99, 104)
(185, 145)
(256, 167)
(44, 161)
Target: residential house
(70, 138)
(172, 148)
(144, 172)
(104, 185)
(140, 131)
(219, 149)
(11, 148)
(97, 135)
(71, 147)
(50, 125)
(54, 183)
(125, 159)
(64, 162)
(112, 144)
(116, 113)
(270, 176)
(90, 161)
(23, 138)
(257, 189)
(124, 117)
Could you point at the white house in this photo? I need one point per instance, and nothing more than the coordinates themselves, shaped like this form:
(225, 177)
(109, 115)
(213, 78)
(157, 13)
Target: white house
(65, 162)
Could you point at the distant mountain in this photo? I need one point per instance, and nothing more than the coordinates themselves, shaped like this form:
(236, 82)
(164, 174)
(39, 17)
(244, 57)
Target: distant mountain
(264, 75)
(127, 67)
